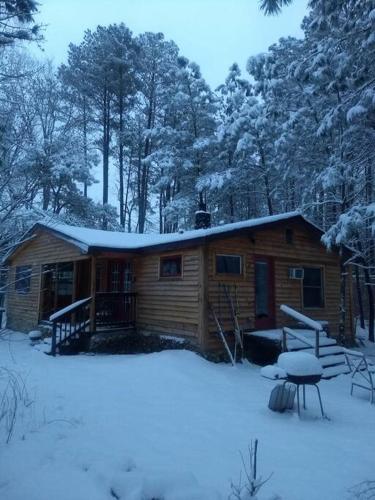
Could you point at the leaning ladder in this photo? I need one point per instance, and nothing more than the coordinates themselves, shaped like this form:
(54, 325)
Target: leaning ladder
(221, 335)
(237, 330)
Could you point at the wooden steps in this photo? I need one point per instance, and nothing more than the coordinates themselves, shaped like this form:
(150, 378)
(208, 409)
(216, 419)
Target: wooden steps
(334, 371)
(314, 340)
(298, 345)
(331, 355)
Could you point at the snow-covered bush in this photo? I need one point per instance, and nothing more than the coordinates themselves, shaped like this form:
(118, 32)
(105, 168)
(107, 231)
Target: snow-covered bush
(249, 483)
(13, 397)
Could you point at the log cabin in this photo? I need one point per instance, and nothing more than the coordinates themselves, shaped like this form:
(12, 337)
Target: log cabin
(169, 283)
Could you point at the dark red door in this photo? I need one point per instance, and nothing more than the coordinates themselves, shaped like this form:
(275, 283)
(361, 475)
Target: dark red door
(120, 282)
(264, 283)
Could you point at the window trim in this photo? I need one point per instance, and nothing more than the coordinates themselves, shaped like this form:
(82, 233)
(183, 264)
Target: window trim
(230, 275)
(174, 276)
(17, 280)
(322, 287)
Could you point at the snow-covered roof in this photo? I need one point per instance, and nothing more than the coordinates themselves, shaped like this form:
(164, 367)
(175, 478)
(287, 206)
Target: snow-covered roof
(96, 239)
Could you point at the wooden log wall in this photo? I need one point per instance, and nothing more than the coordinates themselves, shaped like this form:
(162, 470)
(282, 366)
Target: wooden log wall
(168, 305)
(305, 251)
(23, 308)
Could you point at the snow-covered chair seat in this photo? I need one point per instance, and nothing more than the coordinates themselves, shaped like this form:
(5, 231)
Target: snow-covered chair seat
(362, 371)
(302, 368)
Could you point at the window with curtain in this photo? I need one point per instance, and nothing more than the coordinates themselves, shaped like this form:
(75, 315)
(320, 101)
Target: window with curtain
(171, 267)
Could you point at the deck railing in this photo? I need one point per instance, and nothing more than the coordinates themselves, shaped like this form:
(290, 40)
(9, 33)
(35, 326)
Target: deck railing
(310, 323)
(70, 322)
(115, 309)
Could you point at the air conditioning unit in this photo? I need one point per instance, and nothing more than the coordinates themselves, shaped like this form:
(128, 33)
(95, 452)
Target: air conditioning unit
(296, 273)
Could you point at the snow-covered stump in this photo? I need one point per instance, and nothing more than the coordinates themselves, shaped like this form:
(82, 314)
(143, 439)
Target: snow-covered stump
(35, 336)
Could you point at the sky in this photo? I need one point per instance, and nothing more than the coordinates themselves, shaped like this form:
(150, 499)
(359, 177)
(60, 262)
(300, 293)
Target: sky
(213, 33)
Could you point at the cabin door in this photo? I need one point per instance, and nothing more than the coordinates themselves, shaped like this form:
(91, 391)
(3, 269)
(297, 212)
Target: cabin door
(264, 283)
(83, 279)
(120, 280)
(57, 288)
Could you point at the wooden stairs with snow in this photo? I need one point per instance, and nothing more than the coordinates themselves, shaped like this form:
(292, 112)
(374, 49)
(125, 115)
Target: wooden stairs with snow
(314, 340)
(331, 355)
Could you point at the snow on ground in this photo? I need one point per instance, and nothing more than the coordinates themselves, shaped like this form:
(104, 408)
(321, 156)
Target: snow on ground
(170, 425)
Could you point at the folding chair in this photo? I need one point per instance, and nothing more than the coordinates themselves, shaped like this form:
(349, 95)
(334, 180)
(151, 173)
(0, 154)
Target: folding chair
(362, 370)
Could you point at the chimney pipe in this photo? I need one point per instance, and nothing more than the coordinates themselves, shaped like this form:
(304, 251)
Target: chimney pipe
(202, 217)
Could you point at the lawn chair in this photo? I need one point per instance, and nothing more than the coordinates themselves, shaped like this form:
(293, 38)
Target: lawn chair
(362, 370)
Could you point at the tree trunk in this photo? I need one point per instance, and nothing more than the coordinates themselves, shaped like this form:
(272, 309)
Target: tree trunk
(371, 307)
(85, 147)
(359, 298)
(143, 198)
(343, 274)
(370, 296)
(231, 208)
(106, 141)
(46, 195)
(121, 151)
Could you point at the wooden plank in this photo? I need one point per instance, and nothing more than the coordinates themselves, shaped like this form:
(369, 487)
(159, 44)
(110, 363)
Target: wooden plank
(93, 294)
(169, 304)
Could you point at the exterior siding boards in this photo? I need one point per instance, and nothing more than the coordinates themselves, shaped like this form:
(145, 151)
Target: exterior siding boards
(179, 306)
(23, 309)
(305, 251)
(168, 305)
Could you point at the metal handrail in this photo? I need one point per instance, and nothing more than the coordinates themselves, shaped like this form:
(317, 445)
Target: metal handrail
(69, 322)
(317, 327)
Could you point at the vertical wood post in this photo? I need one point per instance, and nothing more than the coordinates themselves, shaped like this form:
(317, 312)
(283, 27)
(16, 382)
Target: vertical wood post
(93, 295)
(53, 344)
(317, 343)
(284, 346)
(74, 289)
(75, 281)
(351, 313)
(203, 297)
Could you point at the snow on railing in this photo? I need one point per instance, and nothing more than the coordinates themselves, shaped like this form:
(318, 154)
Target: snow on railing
(315, 325)
(67, 309)
(70, 323)
(299, 336)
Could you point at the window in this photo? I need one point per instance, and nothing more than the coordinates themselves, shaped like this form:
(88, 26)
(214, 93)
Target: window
(65, 279)
(3, 284)
(100, 277)
(127, 277)
(228, 264)
(289, 236)
(262, 289)
(23, 279)
(313, 295)
(171, 267)
(115, 277)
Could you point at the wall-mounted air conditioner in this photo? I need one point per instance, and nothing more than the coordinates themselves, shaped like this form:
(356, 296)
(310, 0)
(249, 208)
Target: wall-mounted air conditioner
(296, 273)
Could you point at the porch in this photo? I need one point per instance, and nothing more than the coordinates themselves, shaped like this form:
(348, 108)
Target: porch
(88, 296)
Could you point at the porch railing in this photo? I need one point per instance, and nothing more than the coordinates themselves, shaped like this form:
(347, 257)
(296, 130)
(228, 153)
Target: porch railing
(310, 323)
(115, 309)
(70, 323)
